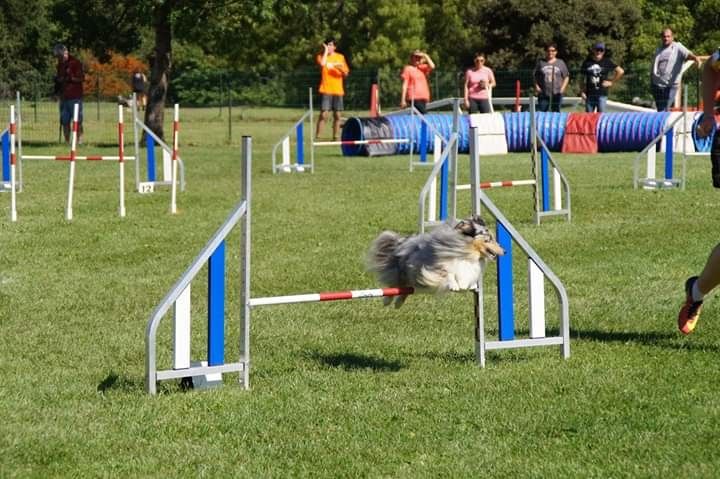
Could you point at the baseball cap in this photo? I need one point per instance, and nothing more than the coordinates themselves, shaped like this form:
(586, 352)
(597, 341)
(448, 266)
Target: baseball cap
(599, 46)
(59, 49)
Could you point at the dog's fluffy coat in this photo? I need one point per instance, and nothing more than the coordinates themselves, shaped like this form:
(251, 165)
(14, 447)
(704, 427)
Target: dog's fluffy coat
(450, 257)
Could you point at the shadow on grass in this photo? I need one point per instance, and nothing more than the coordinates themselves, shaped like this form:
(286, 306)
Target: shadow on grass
(355, 362)
(669, 339)
(115, 382)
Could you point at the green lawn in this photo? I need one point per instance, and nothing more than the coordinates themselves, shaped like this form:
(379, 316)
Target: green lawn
(350, 389)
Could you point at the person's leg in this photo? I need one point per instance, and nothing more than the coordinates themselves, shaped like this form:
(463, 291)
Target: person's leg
(474, 107)
(710, 276)
(602, 104)
(696, 288)
(421, 106)
(65, 118)
(485, 106)
(543, 102)
(325, 107)
(338, 108)
(556, 102)
(715, 160)
(671, 94)
(591, 104)
(336, 125)
(661, 99)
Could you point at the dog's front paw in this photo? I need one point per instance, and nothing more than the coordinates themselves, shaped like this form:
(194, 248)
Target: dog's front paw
(452, 284)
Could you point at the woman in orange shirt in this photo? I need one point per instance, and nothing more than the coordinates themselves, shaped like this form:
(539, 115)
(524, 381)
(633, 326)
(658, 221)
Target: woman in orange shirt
(414, 76)
(333, 70)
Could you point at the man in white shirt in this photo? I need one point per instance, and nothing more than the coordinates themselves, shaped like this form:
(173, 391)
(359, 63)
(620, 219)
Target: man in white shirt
(666, 69)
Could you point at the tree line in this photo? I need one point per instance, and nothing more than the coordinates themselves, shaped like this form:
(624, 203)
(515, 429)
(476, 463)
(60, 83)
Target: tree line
(272, 37)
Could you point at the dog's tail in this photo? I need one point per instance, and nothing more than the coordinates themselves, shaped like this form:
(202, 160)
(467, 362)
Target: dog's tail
(382, 260)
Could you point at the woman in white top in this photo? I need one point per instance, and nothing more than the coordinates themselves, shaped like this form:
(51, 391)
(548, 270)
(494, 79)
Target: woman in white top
(478, 82)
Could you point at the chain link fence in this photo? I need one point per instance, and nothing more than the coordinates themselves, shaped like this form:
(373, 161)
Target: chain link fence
(228, 94)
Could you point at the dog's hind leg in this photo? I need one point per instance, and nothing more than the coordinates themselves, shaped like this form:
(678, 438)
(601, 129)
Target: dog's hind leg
(387, 300)
(399, 300)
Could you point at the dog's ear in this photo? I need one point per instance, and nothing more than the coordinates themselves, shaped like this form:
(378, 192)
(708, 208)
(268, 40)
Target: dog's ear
(478, 220)
(466, 227)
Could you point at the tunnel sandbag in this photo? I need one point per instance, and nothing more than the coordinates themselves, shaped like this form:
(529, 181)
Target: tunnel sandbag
(629, 131)
(367, 129)
(702, 145)
(581, 133)
(550, 126)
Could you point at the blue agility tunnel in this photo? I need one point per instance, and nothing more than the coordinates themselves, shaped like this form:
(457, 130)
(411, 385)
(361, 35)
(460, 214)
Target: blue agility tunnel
(624, 131)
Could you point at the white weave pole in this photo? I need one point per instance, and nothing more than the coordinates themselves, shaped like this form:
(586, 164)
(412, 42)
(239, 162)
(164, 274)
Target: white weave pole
(71, 180)
(173, 189)
(121, 160)
(13, 200)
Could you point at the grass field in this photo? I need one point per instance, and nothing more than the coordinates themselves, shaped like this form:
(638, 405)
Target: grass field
(350, 389)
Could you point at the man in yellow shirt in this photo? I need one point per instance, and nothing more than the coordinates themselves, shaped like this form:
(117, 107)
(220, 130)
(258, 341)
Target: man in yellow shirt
(333, 70)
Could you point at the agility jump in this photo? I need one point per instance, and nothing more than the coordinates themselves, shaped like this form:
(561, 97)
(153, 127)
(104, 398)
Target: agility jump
(173, 165)
(210, 371)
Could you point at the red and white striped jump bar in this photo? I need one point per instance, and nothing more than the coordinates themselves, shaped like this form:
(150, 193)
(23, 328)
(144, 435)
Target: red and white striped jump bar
(498, 184)
(330, 296)
(358, 142)
(68, 158)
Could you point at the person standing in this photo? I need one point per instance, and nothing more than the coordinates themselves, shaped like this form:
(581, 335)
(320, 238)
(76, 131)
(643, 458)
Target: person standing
(69, 79)
(551, 79)
(333, 70)
(139, 82)
(697, 287)
(479, 80)
(666, 69)
(596, 69)
(415, 87)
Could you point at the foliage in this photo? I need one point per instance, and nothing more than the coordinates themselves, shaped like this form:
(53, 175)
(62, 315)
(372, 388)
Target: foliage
(112, 78)
(25, 46)
(101, 26)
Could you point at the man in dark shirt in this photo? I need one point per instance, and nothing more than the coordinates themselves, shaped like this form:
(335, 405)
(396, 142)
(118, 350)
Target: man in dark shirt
(596, 69)
(69, 87)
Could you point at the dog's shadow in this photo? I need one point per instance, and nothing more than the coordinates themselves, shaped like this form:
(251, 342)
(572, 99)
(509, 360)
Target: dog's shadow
(354, 362)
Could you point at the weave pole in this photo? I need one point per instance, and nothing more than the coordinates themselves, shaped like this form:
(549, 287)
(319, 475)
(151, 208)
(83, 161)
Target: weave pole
(121, 160)
(330, 296)
(13, 199)
(173, 179)
(71, 179)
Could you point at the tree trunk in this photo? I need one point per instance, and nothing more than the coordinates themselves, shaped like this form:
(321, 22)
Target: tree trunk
(160, 65)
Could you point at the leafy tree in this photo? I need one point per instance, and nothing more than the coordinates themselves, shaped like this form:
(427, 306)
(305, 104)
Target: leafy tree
(25, 37)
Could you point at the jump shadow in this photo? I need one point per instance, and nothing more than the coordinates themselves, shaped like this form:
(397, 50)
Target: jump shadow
(116, 382)
(355, 362)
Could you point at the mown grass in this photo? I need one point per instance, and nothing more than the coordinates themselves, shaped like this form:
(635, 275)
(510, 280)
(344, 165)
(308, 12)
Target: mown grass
(351, 389)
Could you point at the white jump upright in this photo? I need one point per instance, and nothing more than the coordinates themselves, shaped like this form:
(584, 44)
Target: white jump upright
(13, 179)
(71, 177)
(121, 161)
(176, 133)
